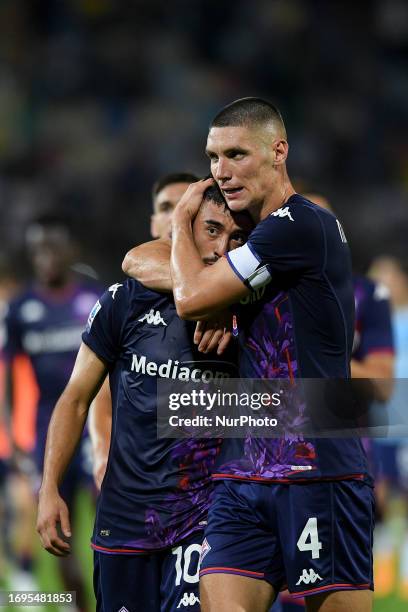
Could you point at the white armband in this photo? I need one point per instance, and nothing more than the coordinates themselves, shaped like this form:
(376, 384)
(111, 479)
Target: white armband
(246, 265)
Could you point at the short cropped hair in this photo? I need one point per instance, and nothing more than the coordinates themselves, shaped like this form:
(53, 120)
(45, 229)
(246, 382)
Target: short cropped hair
(213, 194)
(170, 179)
(248, 112)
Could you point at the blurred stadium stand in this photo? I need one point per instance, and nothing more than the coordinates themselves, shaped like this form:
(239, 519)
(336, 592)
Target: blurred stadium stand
(99, 97)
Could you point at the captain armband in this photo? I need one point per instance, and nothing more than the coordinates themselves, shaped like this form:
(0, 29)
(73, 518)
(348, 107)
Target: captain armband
(259, 278)
(247, 265)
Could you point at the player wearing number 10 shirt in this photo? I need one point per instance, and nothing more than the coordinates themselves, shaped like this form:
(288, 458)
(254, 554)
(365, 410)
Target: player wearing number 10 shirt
(156, 492)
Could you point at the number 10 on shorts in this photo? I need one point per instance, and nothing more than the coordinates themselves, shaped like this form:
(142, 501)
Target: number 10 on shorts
(309, 538)
(184, 573)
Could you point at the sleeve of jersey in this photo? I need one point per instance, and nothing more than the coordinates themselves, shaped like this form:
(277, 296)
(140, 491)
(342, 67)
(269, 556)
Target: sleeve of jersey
(105, 323)
(282, 243)
(377, 334)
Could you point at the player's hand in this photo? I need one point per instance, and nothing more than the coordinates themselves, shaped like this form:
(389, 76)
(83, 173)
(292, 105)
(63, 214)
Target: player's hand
(188, 206)
(53, 516)
(214, 334)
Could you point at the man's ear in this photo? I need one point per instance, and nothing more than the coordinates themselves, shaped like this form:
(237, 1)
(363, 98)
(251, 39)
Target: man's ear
(153, 227)
(281, 149)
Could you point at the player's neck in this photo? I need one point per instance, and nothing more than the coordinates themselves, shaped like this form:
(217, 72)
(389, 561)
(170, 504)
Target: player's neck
(275, 199)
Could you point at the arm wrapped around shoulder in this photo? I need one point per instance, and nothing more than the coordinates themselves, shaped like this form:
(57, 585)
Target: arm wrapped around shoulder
(149, 263)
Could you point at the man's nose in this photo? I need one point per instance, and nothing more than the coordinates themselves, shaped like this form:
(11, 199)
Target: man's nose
(221, 247)
(222, 171)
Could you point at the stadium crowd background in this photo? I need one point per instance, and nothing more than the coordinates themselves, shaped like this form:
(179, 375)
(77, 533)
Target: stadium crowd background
(98, 98)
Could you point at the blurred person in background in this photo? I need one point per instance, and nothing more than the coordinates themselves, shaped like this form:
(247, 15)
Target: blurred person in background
(16, 435)
(44, 323)
(8, 288)
(156, 492)
(372, 355)
(392, 453)
(166, 192)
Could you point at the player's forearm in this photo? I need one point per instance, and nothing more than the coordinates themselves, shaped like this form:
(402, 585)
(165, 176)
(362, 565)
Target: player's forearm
(64, 434)
(380, 374)
(100, 421)
(189, 274)
(362, 370)
(101, 441)
(200, 291)
(149, 263)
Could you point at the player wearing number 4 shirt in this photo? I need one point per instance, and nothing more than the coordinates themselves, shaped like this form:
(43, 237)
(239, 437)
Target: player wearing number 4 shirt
(155, 493)
(290, 511)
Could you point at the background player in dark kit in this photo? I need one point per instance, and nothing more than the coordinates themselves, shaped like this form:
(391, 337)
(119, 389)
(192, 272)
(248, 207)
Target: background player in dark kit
(155, 494)
(45, 323)
(300, 323)
(391, 454)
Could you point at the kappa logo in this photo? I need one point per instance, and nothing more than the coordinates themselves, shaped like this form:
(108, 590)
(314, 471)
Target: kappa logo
(33, 311)
(308, 576)
(283, 212)
(113, 289)
(189, 599)
(153, 318)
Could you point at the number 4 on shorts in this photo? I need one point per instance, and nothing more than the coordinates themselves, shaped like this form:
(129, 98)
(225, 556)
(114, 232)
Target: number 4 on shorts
(310, 533)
